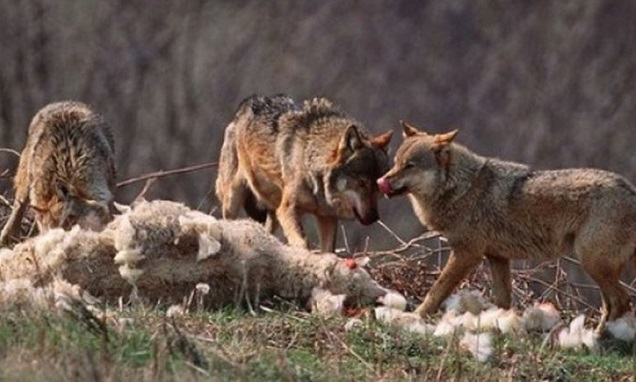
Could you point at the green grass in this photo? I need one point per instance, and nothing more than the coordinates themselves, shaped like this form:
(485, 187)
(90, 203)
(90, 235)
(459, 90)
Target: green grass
(282, 345)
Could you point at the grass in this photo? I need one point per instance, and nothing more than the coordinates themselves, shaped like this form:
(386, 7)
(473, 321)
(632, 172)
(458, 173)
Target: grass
(285, 345)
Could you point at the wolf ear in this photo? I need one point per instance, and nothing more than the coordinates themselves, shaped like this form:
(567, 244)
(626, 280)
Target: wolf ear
(441, 150)
(408, 129)
(351, 140)
(446, 138)
(382, 141)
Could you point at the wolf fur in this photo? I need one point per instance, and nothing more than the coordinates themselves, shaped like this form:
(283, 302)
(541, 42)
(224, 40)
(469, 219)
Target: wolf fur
(66, 172)
(504, 211)
(289, 159)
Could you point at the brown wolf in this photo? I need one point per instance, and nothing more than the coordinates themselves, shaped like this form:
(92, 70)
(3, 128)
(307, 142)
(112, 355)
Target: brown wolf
(66, 172)
(288, 159)
(504, 211)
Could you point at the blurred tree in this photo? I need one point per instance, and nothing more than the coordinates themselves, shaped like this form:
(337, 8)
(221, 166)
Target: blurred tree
(548, 83)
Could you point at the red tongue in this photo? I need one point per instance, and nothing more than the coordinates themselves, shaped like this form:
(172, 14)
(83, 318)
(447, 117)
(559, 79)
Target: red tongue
(385, 186)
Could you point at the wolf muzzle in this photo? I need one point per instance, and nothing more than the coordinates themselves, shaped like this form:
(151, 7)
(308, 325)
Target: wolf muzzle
(384, 185)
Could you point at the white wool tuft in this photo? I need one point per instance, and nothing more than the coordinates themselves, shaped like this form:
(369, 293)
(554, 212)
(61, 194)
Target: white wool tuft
(45, 243)
(199, 222)
(130, 274)
(353, 323)
(5, 254)
(466, 301)
(576, 335)
(623, 328)
(469, 321)
(128, 256)
(326, 303)
(125, 234)
(505, 321)
(411, 322)
(208, 246)
(541, 317)
(175, 311)
(195, 216)
(447, 325)
(393, 300)
(203, 288)
(122, 208)
(479, 345)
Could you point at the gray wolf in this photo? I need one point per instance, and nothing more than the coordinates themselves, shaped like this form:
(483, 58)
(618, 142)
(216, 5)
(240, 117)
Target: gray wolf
(280, 160)
(504, 211)
(66, 172)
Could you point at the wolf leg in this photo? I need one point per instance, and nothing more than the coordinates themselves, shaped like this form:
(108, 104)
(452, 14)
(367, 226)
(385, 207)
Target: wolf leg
(327, 226)
(616, 301)
(459, 265)
(234, 199)
(289, 219)
(501, 281)
(604, 253)
(271, 223)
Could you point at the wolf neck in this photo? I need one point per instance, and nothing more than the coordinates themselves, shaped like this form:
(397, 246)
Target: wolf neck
(465, 168)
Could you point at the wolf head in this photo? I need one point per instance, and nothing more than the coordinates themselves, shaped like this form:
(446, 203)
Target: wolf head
(421, 163)
(351, 182)
(65, 210)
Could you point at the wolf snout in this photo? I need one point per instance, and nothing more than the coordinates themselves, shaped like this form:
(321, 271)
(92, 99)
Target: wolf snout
(368, 218)
(385, 186)
(371, 217)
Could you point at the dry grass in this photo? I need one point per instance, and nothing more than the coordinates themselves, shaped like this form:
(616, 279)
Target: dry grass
(137, 343)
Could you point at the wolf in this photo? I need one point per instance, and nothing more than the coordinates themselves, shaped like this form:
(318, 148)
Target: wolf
(66, 173)
(280, 160)
(505, 211)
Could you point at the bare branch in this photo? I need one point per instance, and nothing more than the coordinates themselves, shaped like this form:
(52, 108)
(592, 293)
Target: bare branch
(164, 173)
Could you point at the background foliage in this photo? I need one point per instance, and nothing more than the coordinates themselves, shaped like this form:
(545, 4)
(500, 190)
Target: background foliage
(548, 83)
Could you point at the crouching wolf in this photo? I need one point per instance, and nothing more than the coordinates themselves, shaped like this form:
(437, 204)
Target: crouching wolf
(66, 172)
(289, 159)
(504, 211)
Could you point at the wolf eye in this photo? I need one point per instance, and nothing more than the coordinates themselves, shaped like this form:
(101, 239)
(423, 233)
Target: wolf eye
(409, 165)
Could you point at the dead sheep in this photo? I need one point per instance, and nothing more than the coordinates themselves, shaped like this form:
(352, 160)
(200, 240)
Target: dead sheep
(159, 251)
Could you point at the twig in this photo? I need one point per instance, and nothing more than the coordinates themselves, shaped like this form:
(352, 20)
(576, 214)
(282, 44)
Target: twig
(144, 190)
(557, 290)
(163, 173)
(196, 368)
(344, 238)
(10, 151)
(5, 201)
(413, 243)
(389, 230)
